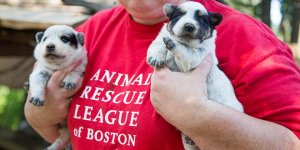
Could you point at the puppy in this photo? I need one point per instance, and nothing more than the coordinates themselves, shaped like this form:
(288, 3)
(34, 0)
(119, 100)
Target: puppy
(57, 48)
(181, 45)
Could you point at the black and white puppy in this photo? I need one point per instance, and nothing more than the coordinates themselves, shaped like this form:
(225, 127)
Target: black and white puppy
(57, 48)
(181, 45)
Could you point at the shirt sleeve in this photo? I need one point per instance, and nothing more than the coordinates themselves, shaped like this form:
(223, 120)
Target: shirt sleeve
(262, 70)
(271, 91)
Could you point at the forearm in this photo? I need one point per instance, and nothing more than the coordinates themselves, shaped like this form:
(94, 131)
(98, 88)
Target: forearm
(47, 131)
(220, 127)
(47, 118)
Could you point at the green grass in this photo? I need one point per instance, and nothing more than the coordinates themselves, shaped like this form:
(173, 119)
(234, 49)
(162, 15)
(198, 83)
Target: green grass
(11, 107)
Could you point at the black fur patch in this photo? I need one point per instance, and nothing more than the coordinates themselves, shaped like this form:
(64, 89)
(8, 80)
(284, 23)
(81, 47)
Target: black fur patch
(80, 37)
(70, 38)
(206, 27)
(26, 86)
(45, 38)
(73, 41)
(215, 18)
(39, 36)
(45, 75)
(174, 17)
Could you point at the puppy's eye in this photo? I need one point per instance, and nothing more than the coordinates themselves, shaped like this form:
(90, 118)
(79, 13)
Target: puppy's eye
(177, 14)
(65, 38)
(45, 38)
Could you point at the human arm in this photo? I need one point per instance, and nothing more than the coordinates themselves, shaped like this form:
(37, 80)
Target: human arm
(46, 119)
(209, 124)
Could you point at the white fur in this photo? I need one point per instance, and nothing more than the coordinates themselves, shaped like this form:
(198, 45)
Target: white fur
(188, 55)
(45, 68)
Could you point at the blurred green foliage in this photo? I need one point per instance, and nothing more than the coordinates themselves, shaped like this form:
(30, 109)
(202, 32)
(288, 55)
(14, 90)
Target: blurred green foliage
(290, 11)
(11, 107)
(247, 6)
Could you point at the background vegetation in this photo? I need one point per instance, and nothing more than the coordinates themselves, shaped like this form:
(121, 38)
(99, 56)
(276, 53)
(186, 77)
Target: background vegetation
(261, 9)
(11, 107)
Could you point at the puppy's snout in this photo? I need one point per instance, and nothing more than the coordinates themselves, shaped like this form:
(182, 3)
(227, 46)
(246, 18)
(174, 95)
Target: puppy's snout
(50, 48)
(189, 27)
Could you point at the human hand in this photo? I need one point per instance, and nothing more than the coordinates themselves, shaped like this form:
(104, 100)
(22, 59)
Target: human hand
(177, 97)
(57, 100)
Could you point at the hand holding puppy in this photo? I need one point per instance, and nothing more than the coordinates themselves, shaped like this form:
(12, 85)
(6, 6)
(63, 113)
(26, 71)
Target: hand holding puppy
(46, 119)
(181, 92)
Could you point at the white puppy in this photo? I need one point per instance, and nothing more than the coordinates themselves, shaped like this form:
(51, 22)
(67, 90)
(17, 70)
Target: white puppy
(183, 42)
(57, 48)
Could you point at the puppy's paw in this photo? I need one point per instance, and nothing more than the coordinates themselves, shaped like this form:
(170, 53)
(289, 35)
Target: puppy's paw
(155, 62)
(36, 101)
(68, 85)
(189, 141)
(170, 45)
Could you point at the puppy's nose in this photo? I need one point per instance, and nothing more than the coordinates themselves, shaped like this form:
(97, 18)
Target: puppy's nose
(50, 48)
(189, 27)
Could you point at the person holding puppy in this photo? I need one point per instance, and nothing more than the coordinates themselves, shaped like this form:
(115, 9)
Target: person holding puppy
(125, 104)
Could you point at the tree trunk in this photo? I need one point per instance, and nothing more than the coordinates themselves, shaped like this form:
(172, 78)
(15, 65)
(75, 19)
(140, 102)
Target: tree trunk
(266, 12)
(295, 22)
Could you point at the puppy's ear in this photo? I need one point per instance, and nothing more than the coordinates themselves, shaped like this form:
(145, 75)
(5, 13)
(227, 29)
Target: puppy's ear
(39, 36)
(169, 9)
(80, 37)
(215, 18)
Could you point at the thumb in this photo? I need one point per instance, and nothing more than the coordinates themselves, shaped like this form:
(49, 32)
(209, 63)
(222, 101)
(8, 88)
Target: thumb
(205, 66)
(59, 75)
(71, 67)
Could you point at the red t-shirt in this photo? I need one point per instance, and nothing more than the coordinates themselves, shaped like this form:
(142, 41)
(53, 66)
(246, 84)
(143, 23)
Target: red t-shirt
(113, 111)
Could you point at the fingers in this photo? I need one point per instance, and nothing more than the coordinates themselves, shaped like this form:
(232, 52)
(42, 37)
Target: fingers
(198, 75)
(71, 93)
(204, 66)
(58, 76)
(73, 66)
(161, 73)
(164, 68)
(54, 84)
